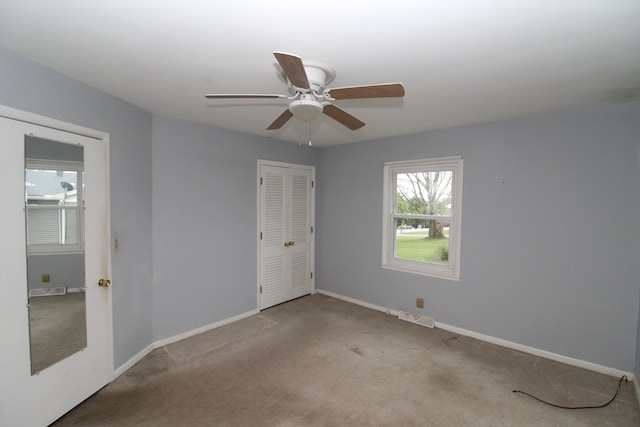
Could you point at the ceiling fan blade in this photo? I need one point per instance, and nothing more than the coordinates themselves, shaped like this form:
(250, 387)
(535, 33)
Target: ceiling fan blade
(389, 90)
(293, 69)
(342, 117)
(281, 120)
(244, 96)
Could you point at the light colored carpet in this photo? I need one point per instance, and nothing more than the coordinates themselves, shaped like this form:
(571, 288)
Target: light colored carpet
(318, 361)
(57, 328)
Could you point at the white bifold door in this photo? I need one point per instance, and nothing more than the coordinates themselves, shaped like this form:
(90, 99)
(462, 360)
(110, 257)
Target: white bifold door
(286, 234)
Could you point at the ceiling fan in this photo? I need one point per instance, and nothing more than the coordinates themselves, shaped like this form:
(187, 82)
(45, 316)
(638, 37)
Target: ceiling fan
(309, 98)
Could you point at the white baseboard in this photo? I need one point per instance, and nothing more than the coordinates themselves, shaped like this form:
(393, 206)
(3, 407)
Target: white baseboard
(179, 337)
(359, 302)
(538, 352)
(487, 338)
(504, 343)
(135, 359)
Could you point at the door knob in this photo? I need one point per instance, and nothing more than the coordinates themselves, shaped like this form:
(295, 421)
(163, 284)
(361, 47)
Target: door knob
(287, 244)
(104, 283)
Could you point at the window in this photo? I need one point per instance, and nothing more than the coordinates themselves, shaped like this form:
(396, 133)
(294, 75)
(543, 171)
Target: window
(422, 216)
(53, 206)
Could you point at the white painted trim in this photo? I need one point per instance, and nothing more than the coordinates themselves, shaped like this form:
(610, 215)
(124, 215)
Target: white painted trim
(106, 139)
(258, 237)
(48, 122)
(179, 337)
(312, 255)
(312, 219)
(389, 260)
(97, 358)
(359, 302)
(188, 334)
(37, 119)
(504, 343)
(493, 340)
(282, 165)
(538, 352)
(434, 161)
(135, 359)
(420, 272)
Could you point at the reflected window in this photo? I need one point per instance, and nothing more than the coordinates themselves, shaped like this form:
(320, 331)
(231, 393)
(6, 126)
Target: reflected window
(54, 206)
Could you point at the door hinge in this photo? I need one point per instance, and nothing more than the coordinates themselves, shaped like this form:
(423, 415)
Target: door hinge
(311, 230)
(311, 184)
(260, 289)
(261, 235)
(312, 274)
(260, 180)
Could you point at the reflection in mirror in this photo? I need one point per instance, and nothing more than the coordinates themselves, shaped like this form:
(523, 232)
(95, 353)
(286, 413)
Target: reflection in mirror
(54, 206)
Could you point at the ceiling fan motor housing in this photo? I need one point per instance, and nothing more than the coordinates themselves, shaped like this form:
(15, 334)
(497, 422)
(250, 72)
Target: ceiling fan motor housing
(318, 74)
(318, 77)
(306, 108)
(306, 82)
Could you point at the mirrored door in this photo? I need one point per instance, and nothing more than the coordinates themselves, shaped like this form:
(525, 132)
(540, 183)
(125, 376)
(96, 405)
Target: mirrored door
(57, 351)
(54, 218)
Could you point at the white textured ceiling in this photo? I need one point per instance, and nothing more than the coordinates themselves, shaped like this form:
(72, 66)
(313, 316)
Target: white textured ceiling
(461, 61)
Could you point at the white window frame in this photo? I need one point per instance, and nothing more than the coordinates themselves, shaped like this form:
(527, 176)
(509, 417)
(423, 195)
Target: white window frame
(60, 248)
(389, 261)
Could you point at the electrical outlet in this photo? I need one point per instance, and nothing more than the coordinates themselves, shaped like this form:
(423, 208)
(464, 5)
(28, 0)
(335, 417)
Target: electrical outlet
(419, 302)
(45, 278)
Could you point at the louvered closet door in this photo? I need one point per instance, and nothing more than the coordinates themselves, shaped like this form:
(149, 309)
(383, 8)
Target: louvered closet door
(299, 230)
(286, 243)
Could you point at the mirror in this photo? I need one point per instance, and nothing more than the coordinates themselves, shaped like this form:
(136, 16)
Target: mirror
(54, 213)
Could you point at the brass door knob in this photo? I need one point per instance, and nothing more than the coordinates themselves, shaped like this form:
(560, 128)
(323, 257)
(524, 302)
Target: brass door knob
(104, 283)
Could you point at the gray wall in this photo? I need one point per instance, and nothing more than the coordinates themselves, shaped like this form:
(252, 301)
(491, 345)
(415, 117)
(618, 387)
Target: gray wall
(29, 86)
(637, 370)
(205, 221)
(63, 270)
(38, 148)
(550, 224)
(550, 231)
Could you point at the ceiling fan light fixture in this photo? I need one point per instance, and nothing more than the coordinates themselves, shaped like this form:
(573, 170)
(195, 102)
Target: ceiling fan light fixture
(309, 98)
(306, 110)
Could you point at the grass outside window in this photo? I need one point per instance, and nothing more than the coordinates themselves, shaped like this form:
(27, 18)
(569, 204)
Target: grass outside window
(416, 245)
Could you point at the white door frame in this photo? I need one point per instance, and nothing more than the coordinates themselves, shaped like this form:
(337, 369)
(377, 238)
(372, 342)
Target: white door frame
(104, 138)
(313, 220)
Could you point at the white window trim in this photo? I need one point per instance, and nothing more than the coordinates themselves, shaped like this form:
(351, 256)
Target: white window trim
(50, 248)
(449, 272)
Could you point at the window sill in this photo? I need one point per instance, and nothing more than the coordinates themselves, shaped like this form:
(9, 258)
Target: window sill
(422, 272)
